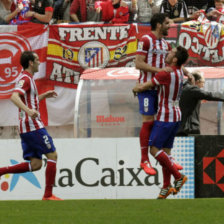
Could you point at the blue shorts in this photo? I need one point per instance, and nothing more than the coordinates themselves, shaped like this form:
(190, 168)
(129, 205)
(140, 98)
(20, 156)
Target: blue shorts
(163, 134)
(148, 102)
(36, 143)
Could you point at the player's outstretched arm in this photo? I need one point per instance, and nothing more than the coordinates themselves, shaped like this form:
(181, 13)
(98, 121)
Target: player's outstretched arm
(48, 94)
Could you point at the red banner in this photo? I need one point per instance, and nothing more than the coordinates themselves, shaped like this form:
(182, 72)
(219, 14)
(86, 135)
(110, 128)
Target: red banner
(74, 48)
(12, 43)
(204, 42)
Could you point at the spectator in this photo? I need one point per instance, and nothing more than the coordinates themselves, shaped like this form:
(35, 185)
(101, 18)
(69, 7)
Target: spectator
(144, 11)
(156, 6)
(195, 5)
(61, 10)
(24, 6)
(113, 11)
(132, 7)
(176, 10)
(190, 102)
(211, 3)
(83, 11)
(5, 13)
(214, 13)
(42, 11)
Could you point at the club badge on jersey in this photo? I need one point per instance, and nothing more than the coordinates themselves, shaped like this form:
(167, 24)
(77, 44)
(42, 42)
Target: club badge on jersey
(146, 109)
(21, 83)
(140, 45)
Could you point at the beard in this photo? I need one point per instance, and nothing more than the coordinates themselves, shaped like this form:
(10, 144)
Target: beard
(117, 5)
(165, 32)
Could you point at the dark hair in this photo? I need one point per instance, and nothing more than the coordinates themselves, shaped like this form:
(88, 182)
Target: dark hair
(157, 18)
(197, 76)
(181, 55)
(26, 56)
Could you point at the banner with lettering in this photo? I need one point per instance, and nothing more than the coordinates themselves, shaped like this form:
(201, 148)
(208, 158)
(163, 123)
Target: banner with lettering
(204, 42)
(13, 41)
(74, 48)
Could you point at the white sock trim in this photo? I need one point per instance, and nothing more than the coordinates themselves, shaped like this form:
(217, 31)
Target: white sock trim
(158, 153)
(52, 161)
(30, 168)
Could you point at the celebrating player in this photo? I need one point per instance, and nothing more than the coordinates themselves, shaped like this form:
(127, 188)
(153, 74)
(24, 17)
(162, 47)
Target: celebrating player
(34, 137)
(167, 118)
(150, 59)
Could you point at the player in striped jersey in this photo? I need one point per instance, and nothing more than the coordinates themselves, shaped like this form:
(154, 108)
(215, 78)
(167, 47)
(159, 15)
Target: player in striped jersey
(167, 118)
(34, 137)
(150, 59)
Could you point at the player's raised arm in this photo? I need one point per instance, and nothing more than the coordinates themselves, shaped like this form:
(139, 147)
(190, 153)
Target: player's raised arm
(48, 94)
(188, 75)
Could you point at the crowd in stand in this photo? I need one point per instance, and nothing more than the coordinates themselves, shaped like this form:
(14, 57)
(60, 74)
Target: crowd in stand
(108, 11)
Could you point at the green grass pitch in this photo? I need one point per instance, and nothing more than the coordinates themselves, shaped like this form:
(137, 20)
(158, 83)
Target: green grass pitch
(175, 211)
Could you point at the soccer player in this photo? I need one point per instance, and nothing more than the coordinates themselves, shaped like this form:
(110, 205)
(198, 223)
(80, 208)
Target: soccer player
(168, 118)
(34, 137)
(150, 59)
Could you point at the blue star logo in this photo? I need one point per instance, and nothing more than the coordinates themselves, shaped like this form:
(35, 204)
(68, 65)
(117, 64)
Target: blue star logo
(29, 176)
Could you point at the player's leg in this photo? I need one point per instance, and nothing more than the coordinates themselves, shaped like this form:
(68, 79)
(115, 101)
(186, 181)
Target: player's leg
(147, 107)
(178, 183)
(28, 145)
(163, 135)
(168, 152)
(35, 163)
(167, 188)
(144, 135)
(49, 150)
(17, 168)
(158, 139)
(174, 129)
(50, 175)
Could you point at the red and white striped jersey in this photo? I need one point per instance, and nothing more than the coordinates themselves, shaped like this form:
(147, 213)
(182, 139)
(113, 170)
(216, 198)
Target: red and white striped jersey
(169, 89)
(155, 51)
(28, 91)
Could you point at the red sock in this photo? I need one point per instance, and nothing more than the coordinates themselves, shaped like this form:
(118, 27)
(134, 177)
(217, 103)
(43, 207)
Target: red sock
(144, 140)
(166, 177)
(50, 177)
(165, 162)
(18, 168)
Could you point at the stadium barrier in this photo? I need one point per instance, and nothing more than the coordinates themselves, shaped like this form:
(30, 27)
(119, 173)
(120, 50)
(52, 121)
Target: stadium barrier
(209, 166)
(106, 168)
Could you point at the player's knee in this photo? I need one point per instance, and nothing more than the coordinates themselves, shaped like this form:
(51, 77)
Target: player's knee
(153, 151)
(147, 118)
(52, 156)
(36, 165)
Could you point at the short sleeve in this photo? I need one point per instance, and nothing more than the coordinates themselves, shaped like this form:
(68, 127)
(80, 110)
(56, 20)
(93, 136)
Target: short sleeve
(22, 86)
(143, 45)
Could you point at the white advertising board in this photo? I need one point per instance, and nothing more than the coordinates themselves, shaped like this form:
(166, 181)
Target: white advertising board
(94, 169)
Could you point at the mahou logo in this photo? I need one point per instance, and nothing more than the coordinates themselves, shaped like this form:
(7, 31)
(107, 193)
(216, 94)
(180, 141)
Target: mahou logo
(110, 120)
(11, 47)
